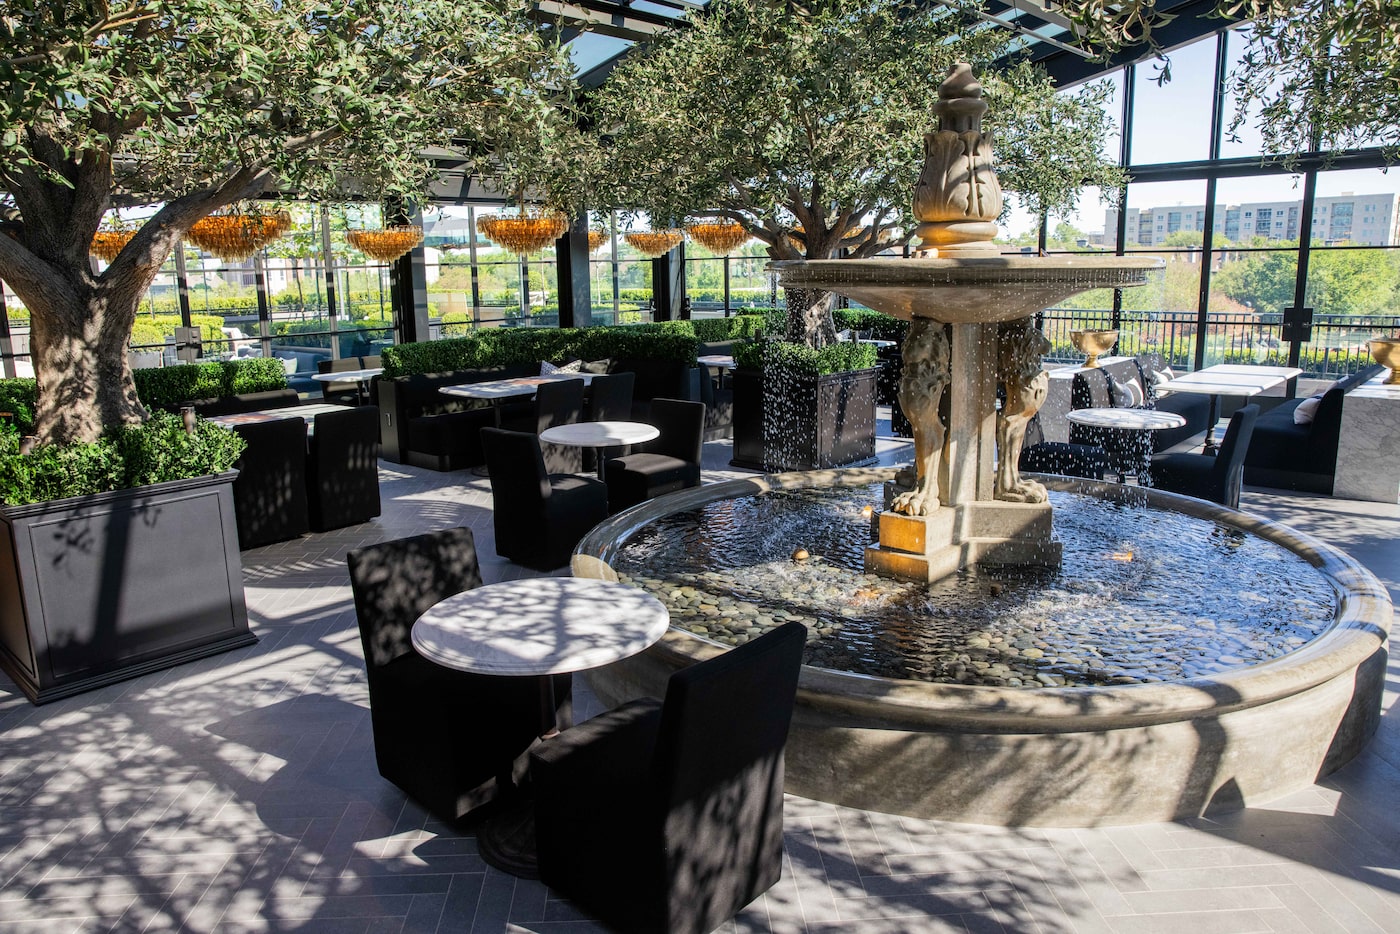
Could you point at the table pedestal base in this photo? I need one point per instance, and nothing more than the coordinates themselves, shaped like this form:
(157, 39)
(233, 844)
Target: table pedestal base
(507, 841)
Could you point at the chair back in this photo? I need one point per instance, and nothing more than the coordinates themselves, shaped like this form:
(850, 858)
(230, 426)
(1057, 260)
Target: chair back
(344, 467)
(269, 493)
(371, 362)
(558, 402)
(726, 719)
(396, 582)
(1229, 460)
(682, 427)
(1091, 389)
(341, 387)
(516, 464)
(611, 397)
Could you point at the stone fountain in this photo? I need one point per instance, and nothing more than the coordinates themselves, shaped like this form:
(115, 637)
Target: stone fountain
(971, 309)
(1073, 754)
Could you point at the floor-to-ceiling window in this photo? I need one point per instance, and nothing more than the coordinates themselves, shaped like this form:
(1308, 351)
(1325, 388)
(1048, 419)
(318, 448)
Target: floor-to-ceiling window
(1263, 264)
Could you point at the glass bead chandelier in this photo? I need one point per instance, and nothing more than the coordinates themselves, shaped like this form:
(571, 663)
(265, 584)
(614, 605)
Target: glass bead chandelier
(654, 243)
(388, 244)
(524, 233)
(238, 235)
(720, 237)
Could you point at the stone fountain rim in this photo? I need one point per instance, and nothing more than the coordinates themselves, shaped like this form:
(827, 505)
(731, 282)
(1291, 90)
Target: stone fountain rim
(1359, 630)
(974, 266)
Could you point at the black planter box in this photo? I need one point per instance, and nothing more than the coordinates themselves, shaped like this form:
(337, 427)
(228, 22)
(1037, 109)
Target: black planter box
(97, 589)
(824, 421)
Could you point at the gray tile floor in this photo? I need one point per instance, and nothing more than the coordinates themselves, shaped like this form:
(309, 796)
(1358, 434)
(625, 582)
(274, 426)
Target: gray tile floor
(239, 793)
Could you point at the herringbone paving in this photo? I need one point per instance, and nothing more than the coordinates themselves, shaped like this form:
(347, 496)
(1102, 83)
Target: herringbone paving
(239, 793)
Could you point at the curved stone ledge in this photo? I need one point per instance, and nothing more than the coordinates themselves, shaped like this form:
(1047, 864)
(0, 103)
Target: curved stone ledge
(1080, 756)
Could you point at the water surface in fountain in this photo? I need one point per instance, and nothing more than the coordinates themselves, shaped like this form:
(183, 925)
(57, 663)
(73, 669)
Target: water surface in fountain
(1142, 595)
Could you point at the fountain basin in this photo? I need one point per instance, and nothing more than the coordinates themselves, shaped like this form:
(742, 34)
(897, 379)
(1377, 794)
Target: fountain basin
(1072, 756)
(983, 290)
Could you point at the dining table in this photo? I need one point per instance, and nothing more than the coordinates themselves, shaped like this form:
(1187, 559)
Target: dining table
(1228, 379)
(1139, 423)
(308, 412)
(606, 434)
(536, 628)
(360, 378)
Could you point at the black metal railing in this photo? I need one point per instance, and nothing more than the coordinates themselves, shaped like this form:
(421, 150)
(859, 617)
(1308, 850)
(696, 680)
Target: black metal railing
(1338, 345)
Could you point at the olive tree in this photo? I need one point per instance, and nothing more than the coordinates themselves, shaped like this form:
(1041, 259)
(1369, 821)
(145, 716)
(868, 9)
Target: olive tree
(804, 123)
(196, 104)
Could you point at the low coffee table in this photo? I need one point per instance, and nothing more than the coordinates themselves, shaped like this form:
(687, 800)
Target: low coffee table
(536, 628)
(1142, 421)
(600, 435)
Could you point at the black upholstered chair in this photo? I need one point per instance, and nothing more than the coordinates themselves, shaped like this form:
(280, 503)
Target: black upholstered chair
(668, 817)
(1217, 478)
(342, 468)
(665, 464)
(558, 402)
(452, 740)
(610, 397)
(1068, 460)
(609, 400)
(269, 493)
(1090, 389)
(539, 517)
(340, 392)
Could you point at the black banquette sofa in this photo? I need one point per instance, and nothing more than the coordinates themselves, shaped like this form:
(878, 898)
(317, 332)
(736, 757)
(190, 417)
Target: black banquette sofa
(1285, 455)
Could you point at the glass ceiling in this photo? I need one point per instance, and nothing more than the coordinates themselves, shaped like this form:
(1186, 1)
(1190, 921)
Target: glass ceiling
(600, 32)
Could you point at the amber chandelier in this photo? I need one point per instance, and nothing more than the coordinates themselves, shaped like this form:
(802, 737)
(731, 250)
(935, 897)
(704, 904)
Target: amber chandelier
(654, 243)
(388, 244)
(106, 244)
(524, 233)
(237, 236)
(596, 238)
(721, 237)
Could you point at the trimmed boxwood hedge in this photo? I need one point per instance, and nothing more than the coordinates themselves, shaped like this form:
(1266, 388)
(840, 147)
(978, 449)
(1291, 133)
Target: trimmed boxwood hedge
(712, 330)
(881, 326)
(154, 452)
(664, 340)
(802, 360)
(18, 397)
(161, 387)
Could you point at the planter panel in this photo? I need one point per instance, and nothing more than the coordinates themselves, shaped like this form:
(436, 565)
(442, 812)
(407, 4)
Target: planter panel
(101, 588)
(828, 421)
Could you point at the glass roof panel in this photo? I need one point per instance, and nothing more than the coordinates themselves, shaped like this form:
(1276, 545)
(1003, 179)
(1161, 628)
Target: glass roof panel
(589, 50)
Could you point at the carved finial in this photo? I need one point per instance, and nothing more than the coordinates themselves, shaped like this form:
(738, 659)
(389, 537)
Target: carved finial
(958, 198)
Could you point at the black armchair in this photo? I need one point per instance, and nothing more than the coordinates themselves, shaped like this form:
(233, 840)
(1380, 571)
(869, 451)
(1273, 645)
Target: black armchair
(610, 397)
(341, 391)
(342, 470)
(269, 493)
(669, 817)
(667, 463)
(539, 517)
(1057, 457)
(453, 741)
(558, 402)
(1217, 479)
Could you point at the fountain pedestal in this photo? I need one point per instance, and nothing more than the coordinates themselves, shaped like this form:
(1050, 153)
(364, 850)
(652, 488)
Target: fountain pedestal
(956, 537)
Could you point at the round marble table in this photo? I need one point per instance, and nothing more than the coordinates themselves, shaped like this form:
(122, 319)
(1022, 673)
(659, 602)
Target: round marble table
(1138, 421)
(537, 627)
(600, 435)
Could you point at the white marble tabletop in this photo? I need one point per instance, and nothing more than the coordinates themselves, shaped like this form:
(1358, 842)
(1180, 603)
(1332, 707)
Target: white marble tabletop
(307, 412)
(716, 360)
(540, 626)
(1230, 379)
(1144, 419)
(348, 375)
(876, 343)
(505, 388)
(600, 434)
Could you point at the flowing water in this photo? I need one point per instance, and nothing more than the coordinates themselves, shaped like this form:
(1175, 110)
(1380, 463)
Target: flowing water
(1142, 594)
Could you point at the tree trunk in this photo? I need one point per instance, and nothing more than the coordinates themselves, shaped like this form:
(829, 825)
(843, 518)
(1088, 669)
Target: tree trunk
(809, 318)
(80, 359)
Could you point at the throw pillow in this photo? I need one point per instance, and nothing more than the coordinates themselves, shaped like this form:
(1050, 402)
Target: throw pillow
(1128, 394)
(1162, 376)
(1306, 410)
(573, 366)
(597, 366)
(289, 365)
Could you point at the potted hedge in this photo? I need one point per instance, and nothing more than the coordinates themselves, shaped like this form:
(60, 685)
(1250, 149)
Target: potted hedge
(117, 557)
(797, 408)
